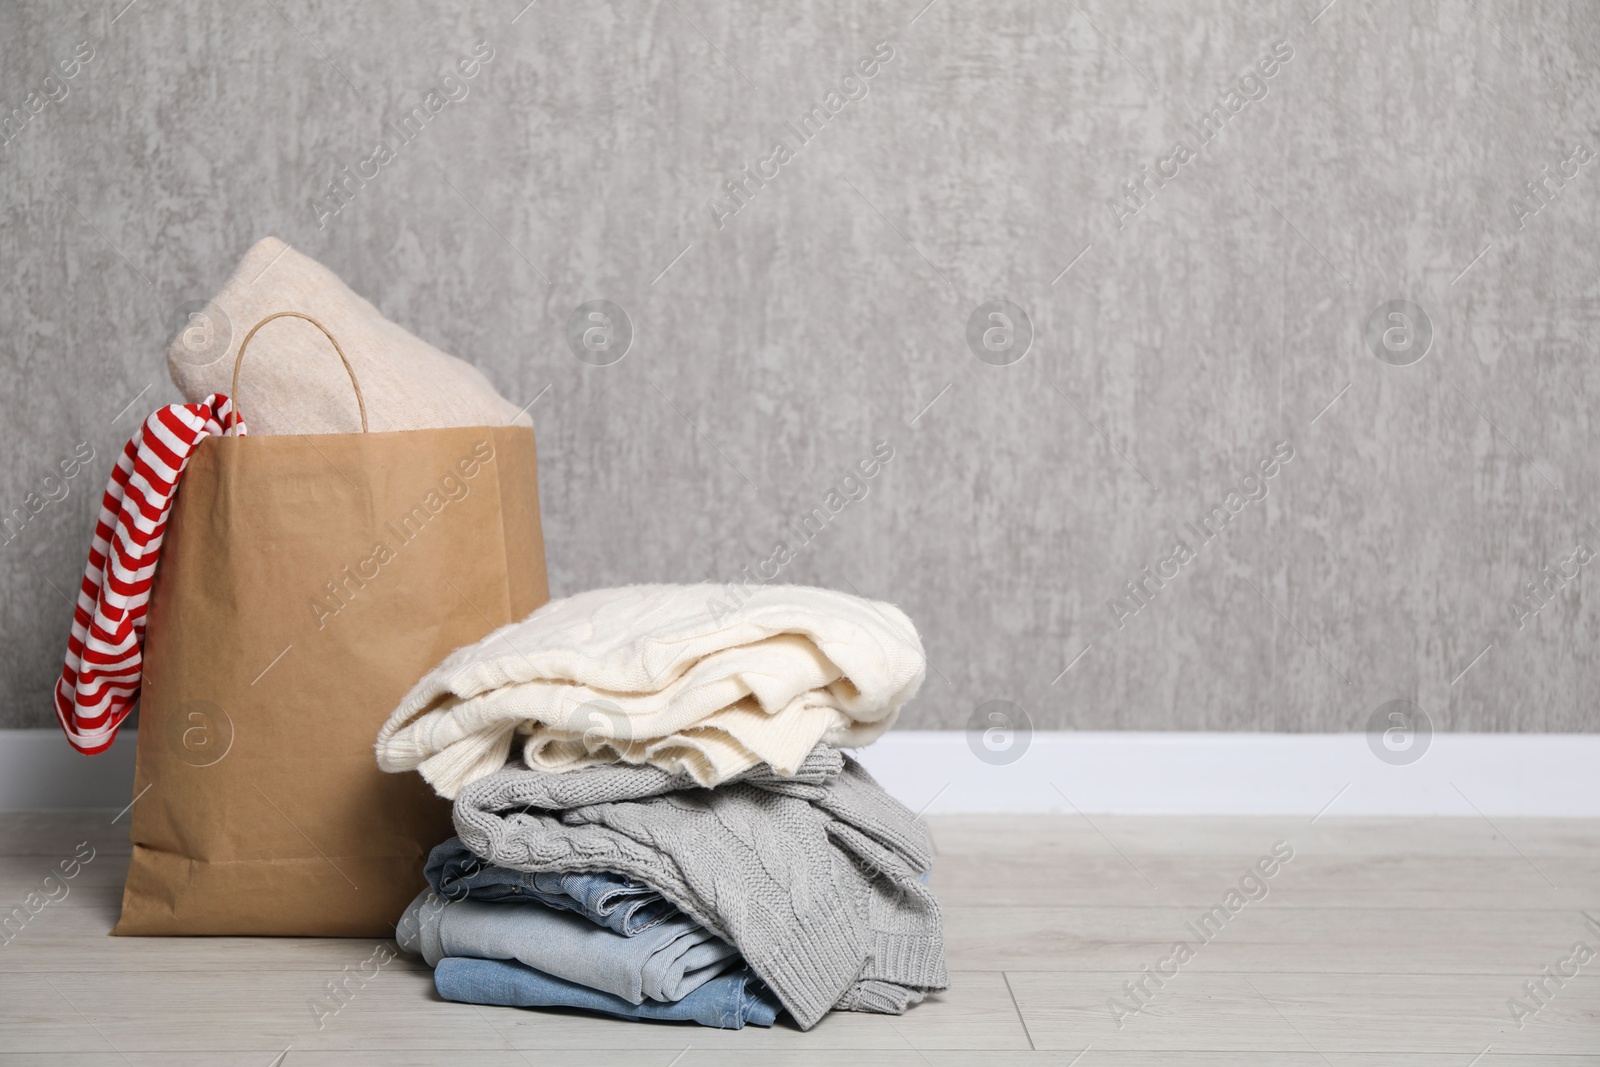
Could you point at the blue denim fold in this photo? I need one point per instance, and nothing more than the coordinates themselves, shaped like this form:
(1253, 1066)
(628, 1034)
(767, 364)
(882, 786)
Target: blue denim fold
(729, 1001)
(666, 963)
(611, 900)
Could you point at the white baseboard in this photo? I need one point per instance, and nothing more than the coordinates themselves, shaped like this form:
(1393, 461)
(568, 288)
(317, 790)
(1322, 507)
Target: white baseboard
(1131, 773)
(39, 770)
(1134, 773)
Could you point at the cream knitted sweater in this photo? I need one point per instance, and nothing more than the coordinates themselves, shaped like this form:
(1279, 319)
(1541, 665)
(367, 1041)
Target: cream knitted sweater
(661, 675)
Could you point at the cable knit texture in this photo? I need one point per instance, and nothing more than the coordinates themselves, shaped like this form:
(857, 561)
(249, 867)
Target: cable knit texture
(814, 876)
(672, 676)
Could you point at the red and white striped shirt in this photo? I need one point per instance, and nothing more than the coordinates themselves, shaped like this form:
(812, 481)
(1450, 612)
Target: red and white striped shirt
(105, 654)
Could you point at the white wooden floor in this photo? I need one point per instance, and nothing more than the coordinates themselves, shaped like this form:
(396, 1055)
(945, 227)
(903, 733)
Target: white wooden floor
(1385, 943)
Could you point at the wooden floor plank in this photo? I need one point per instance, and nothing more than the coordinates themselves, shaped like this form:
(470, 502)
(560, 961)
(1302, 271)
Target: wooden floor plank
(1263, 938)
(1383, 943)
(400, 1009)
(1325, 1014)
(975, 1014)
(56, 833)
(1247, 835)
(21, 875)
(695, 1056)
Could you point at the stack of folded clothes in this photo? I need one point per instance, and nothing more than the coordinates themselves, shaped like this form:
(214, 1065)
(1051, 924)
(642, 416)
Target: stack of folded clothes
(655, 820)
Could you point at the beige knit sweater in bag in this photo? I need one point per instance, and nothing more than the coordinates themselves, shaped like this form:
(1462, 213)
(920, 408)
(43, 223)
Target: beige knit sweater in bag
(293, 383)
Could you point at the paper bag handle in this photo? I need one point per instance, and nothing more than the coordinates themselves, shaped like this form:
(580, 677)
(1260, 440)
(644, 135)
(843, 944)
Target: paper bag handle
(238, 362)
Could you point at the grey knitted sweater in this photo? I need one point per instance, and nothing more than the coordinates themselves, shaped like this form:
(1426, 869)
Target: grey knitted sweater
(814, 878)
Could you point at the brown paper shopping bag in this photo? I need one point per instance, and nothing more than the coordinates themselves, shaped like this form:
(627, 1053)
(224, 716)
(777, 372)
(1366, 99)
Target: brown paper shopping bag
(306, 582)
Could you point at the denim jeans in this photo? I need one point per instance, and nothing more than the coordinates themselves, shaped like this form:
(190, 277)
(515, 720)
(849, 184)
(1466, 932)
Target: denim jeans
(728, 1001)
(615, 902)
(665, 963)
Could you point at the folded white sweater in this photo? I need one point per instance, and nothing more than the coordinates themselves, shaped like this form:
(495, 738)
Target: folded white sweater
(661, 675)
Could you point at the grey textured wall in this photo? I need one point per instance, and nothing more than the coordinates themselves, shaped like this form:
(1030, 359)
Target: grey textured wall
(1179, 334)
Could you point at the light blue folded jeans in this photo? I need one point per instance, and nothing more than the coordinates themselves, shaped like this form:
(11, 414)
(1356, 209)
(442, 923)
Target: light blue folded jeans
(611, 900)
(664, 963)
(728, 1001)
